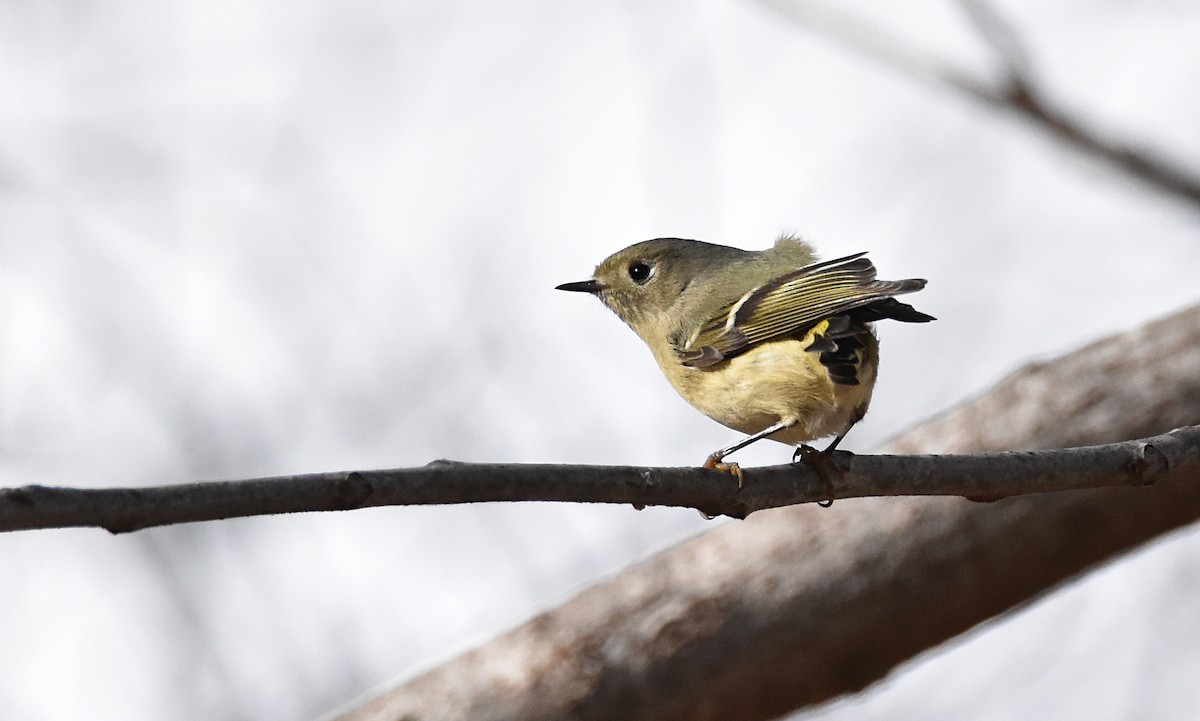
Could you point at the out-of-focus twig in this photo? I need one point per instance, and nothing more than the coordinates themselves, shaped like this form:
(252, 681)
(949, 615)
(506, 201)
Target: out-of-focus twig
(1001, 36)
(1015, 92)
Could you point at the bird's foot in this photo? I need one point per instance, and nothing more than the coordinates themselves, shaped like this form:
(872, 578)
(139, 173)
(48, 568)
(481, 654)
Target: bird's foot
(822, 463)
(714, 461)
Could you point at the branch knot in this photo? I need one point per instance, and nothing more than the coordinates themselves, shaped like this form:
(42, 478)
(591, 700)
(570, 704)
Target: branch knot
(1149, 464)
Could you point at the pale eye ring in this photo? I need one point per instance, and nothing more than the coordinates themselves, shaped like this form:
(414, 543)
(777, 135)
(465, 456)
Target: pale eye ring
(640, 271)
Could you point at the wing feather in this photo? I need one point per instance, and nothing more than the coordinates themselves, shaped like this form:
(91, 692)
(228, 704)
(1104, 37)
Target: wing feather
(794, 302)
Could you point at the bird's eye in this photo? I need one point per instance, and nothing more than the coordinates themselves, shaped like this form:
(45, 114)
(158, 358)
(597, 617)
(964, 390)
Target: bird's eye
(639, 272)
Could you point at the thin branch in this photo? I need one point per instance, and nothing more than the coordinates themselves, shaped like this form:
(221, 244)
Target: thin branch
(1016, 92)
(979, 477)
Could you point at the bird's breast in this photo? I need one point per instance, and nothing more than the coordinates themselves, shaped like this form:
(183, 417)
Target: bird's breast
(771, 382)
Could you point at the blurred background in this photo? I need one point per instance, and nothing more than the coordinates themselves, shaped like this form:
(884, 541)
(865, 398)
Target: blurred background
(259, 238)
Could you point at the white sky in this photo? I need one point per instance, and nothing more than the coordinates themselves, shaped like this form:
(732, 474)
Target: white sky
(252, 238)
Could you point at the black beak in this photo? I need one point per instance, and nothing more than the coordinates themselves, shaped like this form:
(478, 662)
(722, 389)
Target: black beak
(583, 286)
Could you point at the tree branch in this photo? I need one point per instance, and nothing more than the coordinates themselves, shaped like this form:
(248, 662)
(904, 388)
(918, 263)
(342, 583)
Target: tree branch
(1015, 92)
(979, 477)
(795, 606)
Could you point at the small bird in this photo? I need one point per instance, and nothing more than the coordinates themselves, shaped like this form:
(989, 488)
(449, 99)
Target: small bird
(771, 343)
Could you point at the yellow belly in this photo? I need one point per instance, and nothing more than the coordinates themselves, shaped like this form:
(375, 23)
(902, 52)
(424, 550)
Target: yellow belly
(773, 382)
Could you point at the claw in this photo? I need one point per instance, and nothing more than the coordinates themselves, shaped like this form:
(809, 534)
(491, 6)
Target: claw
(714, 462)
(822, 463)
(806, 453)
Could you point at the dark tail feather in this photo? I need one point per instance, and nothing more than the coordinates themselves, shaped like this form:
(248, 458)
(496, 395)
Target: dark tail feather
(890, 308)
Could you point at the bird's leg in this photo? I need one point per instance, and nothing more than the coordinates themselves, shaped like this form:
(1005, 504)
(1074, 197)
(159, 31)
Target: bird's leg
(716, 458)
(822, 461)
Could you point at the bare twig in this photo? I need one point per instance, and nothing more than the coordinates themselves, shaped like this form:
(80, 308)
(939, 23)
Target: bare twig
(979, 477)
(1016, 92)
(798, 605)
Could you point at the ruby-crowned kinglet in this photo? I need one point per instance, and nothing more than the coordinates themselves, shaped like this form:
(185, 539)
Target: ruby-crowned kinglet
(770, 343)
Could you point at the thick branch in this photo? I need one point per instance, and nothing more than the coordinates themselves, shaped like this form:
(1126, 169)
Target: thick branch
(798, 605)
(1015, 92)
(1169, 456)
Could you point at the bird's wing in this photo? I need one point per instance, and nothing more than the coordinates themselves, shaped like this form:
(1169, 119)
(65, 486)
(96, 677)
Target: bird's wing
(794, 302)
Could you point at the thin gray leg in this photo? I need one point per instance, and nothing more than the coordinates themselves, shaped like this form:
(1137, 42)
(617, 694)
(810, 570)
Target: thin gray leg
(718, 455)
